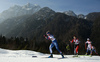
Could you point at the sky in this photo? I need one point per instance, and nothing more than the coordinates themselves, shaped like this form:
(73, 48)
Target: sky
(78, 6)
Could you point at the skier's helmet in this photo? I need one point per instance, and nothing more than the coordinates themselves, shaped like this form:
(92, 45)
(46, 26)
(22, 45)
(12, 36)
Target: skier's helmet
(48, 32)
(88, 39)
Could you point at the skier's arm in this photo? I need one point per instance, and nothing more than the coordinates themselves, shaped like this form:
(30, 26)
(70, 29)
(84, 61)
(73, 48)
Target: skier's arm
(72, 41)
(46, 37)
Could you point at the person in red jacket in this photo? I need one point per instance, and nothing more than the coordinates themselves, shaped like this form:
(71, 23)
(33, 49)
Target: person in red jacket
(76, 45)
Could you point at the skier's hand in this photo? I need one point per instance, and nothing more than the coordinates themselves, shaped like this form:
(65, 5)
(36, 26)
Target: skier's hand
(45, 36)
(70, 41)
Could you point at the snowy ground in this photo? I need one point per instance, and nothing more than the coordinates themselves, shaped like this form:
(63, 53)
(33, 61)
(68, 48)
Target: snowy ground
(26, 56)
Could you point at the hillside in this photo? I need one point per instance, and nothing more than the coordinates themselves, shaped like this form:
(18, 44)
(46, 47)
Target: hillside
(17, 10)
(26, 25)
(95, 36)
(92, 16)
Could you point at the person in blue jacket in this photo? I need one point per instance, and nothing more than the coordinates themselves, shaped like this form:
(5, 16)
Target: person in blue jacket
(93, 50)
(54, 43)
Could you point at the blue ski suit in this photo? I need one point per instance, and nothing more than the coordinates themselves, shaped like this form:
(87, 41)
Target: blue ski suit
(54, 43)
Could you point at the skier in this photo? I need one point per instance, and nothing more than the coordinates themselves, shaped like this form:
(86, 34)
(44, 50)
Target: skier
(93, 49)
(76, 46)
(68, 48)
(89, 46)
(54, 43)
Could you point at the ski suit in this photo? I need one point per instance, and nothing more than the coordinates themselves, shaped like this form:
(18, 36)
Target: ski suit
(76, 46)
(93, 49)
(89, 46)
(54, 43)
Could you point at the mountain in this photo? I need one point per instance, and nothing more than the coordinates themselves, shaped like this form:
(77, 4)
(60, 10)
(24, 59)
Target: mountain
(70, 13)
(43, 20)
(17, 10)
(25, 24)
(62, 26)
(92, 16)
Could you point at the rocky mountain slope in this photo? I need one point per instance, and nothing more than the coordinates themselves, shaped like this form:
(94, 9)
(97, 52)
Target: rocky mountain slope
(17, 10)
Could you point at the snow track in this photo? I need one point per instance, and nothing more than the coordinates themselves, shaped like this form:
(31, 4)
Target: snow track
(26, 56)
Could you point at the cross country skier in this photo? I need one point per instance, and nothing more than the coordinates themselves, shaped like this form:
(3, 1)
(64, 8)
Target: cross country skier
(93, 49)
(89, 46)
(54, 43)
(68, 48)
(76, 46)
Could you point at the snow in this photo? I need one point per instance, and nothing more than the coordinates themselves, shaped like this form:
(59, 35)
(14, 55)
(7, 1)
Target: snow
(70, 13)
(26, 56)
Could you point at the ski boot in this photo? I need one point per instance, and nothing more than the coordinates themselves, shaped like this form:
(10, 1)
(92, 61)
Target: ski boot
(62, 56)
(51, 56)
(86, 54)
(75, 55)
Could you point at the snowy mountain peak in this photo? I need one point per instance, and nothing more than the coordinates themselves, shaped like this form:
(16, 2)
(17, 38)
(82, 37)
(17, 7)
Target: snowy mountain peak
(81, 16)
(70, 13)
(29, 5)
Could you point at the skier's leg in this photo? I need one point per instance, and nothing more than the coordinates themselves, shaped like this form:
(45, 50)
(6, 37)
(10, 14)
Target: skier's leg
(90, 51)
(94, 50)
(77, 49)
(50, 48)
(87, 51)
(56, 45)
